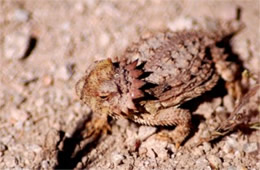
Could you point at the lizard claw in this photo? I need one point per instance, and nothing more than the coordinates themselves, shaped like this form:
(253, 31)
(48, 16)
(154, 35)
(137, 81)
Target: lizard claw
(95, 128)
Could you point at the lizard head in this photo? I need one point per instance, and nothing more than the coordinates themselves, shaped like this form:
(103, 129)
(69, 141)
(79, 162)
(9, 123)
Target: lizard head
(105, 89)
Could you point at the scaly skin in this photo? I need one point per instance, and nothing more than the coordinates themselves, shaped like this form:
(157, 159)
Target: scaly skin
(153, 77)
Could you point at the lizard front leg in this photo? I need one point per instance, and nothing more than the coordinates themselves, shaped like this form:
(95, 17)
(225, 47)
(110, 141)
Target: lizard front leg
(181, 118)
(97, 126)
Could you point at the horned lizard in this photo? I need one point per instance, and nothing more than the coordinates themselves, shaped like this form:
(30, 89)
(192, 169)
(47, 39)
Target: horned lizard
(150, 81)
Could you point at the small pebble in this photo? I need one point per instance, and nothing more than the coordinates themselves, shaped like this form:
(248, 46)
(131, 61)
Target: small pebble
(250, 147)
(201, 162)
(18, 115)
(122, 123)
(215, 161)
(79, 166)
(142, 151)
(45, 164)
(84, 159)
(238, 154)
(35, 148)
(220, 109)
(258, 164)
(47, 80)
(181, 23)
(205, 109)
(226, 148)
(65, 72)
(104, 39)
(52, 138)
(146, 163)
(146, 131)
(10, 161)
(228, 102)
(61, 98)
(65, 26)
(232, 142)
(39, 102)
(197, 151)
(21, 15)
(18, 99)
(2, 100)
(28, 78)
(231, 168)
(117, 158)
(206, 146)
(79, 7)
(62, 73)
(2, 147)
(16, 44)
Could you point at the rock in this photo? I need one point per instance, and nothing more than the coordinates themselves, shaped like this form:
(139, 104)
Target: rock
(35, 148)
(202, 162)
(84, 160)
(227, 148)
(29, 78)
(79, 7)
(10, 161)
(45, 164)
(232, 143)
(142, 151)
(61, 98)
(250, 147)
(62, 73)
(17, 116)
(39, 102)
(156, 149)
(65, 26)
(2, 148)
(65, 72)
(207, 108)
(231, 168)
(117, 158)
(51, 139)
(16, 44)
(21, 15)
(206, 146)
(2, 100)
(104, 39)
(228, 102)
(122, 123)
(181, 23)
(47, 80)
(197, 151)
(214, 161)
(18, 99)
(145, 131)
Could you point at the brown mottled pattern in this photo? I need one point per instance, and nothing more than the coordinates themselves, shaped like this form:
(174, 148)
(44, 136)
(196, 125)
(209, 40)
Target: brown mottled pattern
(156, 75)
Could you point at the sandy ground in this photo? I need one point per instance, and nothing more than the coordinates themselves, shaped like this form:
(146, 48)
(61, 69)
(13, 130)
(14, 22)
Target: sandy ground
(46, 45)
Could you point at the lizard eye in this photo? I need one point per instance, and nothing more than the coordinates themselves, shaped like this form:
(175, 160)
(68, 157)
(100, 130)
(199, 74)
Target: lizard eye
(103, 97)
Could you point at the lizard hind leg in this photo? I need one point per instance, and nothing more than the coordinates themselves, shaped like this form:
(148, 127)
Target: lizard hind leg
(181, 118)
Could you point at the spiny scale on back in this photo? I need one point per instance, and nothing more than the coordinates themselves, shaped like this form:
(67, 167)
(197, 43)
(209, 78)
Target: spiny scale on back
(159, 72)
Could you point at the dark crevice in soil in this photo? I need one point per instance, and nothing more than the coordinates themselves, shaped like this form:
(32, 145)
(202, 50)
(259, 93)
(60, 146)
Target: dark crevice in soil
(31, 45)
(73, 150)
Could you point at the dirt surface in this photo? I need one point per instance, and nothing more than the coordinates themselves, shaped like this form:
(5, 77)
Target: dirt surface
(45, 46)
